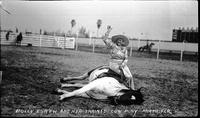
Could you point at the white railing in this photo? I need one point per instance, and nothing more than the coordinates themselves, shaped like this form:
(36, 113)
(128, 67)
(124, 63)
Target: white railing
(40, 40)
(70, 42)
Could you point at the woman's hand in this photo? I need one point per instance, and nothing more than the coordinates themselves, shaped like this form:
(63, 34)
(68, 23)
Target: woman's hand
(122, 65)
(109, 28)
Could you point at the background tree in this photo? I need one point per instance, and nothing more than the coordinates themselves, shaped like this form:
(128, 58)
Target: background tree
(99, 23)
(73, 23)
(83, 32)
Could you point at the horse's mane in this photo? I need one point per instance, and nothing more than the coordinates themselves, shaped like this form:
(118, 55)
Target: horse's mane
(110, 73)
(99, 67)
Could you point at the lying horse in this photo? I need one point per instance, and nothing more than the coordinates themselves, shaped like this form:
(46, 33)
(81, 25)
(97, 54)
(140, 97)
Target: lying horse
(146, 47)
(103, 85)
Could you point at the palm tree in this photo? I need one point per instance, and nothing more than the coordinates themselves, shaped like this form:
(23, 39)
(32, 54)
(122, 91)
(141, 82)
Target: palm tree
(99, 22)
(73, 23)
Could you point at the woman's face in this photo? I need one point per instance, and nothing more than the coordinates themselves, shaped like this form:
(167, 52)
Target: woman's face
(120, 42)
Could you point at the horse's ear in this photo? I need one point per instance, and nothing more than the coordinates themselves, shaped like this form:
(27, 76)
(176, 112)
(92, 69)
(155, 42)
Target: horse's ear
(140, 89)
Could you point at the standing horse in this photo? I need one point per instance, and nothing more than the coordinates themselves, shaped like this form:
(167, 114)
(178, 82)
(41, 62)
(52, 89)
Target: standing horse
(146, 47)
(19, 39)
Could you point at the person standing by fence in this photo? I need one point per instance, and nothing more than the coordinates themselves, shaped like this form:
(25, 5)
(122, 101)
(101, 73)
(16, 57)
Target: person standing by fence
(119, 56)
(7, 35)
(19, 39)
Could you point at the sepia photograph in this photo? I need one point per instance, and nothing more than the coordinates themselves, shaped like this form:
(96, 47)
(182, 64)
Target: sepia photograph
(99, 58)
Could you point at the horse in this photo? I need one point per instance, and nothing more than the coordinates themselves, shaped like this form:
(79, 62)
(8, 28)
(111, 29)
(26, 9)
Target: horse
(19, 39)
(101, 84)
(146, 47)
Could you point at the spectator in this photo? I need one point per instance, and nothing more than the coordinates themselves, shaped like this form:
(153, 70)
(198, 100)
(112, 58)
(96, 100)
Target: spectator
(19, 39)
(7, 35)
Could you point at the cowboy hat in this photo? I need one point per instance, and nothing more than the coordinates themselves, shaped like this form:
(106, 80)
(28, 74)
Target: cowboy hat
(124, 38)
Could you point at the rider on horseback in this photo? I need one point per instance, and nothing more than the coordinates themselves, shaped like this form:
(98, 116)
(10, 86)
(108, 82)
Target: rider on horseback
(119, 56)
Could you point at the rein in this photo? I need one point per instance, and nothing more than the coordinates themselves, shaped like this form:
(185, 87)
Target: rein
(115, 99)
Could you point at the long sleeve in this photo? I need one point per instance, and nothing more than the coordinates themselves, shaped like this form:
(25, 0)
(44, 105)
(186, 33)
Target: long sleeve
(108, 41)
(125, 59)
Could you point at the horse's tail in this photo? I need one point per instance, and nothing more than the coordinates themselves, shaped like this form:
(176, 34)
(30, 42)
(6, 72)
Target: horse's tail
(139, 48)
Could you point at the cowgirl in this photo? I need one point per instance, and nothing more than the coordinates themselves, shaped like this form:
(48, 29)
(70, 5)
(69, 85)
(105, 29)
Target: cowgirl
(119, 58)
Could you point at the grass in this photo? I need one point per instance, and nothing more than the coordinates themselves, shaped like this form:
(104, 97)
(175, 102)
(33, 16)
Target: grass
(30, 74)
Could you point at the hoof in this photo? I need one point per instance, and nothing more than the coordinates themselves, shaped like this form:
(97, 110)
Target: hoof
(59, 86)
(56, 92)
(62, 80)
(61, 98)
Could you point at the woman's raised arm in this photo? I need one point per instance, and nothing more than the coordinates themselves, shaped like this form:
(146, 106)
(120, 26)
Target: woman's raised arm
(106, 40)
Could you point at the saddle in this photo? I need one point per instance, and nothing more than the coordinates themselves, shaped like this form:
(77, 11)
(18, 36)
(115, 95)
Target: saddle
(120, 78)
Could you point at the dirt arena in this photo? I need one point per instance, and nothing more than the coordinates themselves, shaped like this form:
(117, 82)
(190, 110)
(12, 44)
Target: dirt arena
(30, 74)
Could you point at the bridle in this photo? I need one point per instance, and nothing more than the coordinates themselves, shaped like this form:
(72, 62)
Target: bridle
(115, 99)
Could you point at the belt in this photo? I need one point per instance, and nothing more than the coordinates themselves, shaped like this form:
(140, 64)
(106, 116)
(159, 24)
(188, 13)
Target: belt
(117, 60)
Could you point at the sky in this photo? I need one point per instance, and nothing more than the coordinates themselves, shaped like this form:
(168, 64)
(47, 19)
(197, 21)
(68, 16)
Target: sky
(135, 19)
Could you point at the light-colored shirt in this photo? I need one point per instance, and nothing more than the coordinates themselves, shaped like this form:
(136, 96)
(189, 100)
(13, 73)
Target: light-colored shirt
(116, 52)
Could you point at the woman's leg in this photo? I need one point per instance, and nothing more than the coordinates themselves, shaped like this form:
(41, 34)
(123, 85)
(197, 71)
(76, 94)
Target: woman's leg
(129, 76)
(123, 79)
(114, 67)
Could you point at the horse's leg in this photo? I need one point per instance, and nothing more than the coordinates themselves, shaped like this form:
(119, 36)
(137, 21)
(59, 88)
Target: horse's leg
(149, 50)
(139, 49)
(80, 91)
(62, 91)
(142, 49)
(66, 92)
(82, 77)
(72, 85)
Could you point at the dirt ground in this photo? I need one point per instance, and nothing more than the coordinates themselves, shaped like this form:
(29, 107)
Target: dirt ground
(30, 74)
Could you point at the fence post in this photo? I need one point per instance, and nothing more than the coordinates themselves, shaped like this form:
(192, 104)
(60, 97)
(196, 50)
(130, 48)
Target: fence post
(63, 43)
(76, 41)
(93, 45)
(40, 40)
(55, 40)
(182, 50)
(138, 43)
(1, 75)
(90, 39)
(131, 49)
(158, 49)
(65, 38)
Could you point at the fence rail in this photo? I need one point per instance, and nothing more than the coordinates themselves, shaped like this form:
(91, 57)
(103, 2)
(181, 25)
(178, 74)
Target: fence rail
(60, 42)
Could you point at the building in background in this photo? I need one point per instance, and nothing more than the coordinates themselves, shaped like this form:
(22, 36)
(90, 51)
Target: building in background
(187, 35)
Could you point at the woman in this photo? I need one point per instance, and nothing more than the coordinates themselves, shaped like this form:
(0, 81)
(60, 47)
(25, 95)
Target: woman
(119, 56)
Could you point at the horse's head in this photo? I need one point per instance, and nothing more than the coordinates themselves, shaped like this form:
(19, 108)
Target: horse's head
(128, 97)
(151, 44)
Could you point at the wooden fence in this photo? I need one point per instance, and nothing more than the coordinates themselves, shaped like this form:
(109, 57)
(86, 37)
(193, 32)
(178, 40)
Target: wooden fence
(40, 40)
(70, 42)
